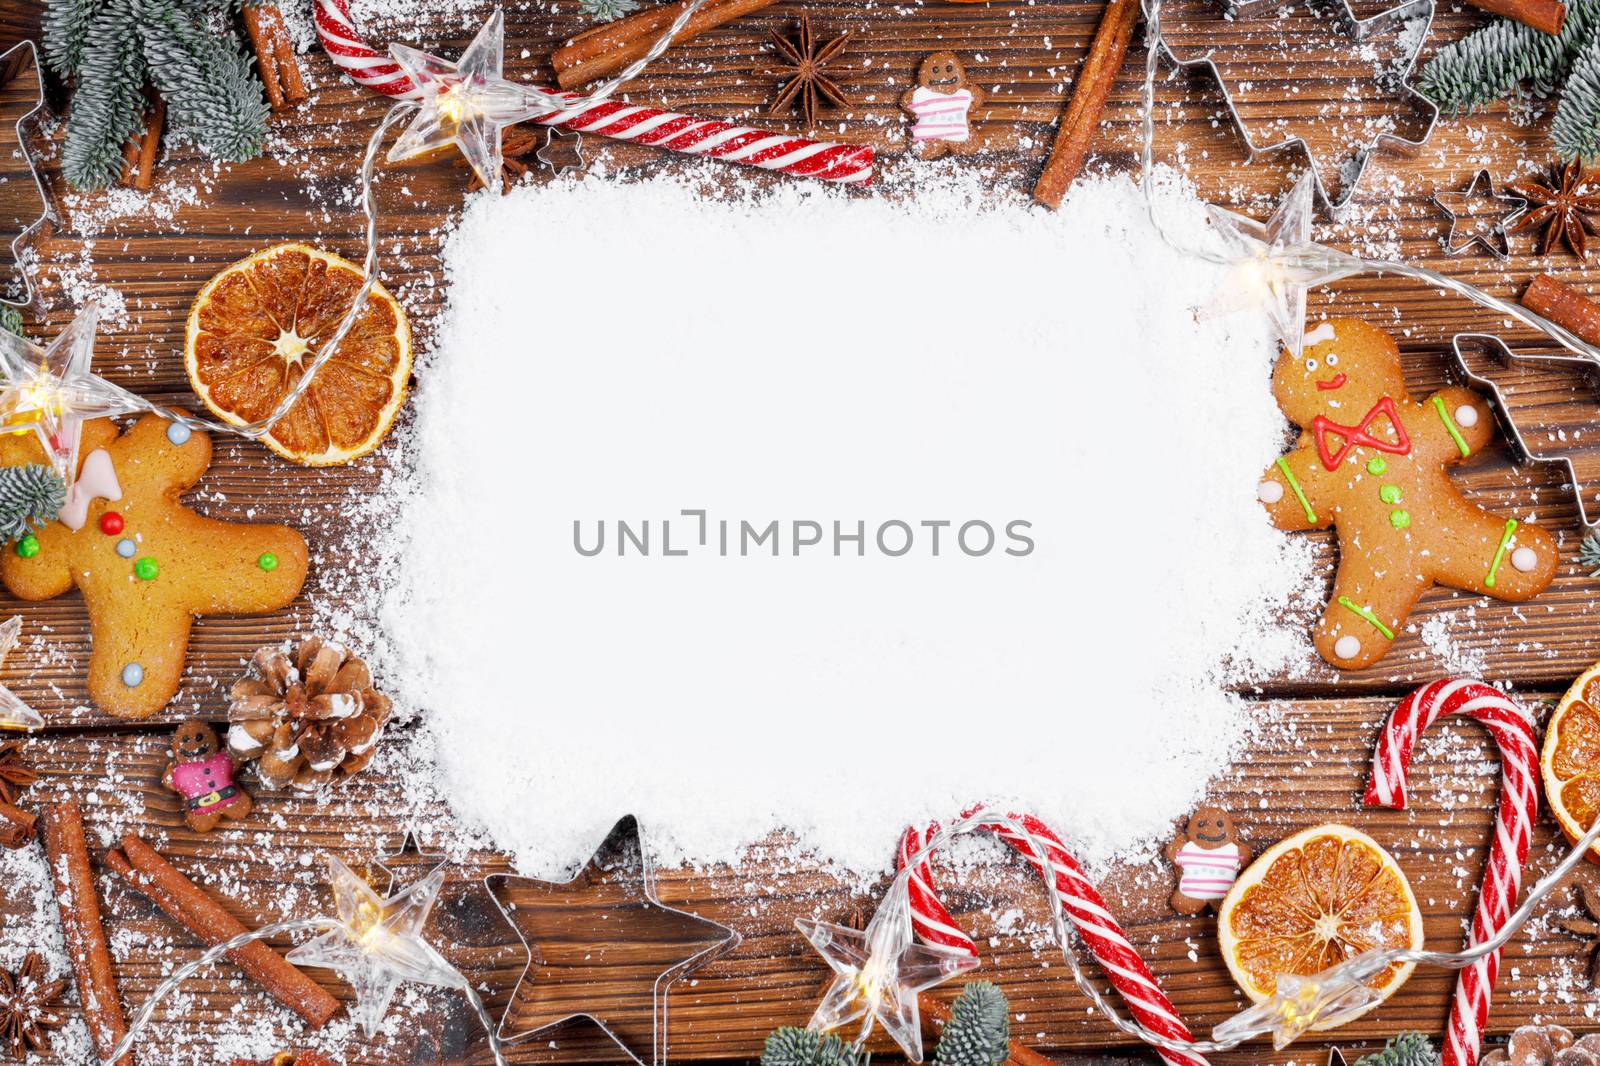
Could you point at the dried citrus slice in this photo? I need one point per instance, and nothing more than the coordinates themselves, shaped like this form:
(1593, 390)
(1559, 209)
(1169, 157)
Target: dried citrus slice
(255, 329)
(1322, 896)
(1571, 758)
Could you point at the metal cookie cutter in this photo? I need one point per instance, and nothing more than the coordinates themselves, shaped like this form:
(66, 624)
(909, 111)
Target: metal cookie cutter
(554, 138)
(15, 61)
(1491, 237)
(1494, 346)
(1357, 30)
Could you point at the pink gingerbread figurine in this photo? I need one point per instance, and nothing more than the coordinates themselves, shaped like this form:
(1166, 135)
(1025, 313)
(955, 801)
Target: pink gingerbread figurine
(202, 773)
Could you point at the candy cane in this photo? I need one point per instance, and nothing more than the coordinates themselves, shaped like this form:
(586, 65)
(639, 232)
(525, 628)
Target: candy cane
(849, 164)
(1081, 902)
(1519, 802)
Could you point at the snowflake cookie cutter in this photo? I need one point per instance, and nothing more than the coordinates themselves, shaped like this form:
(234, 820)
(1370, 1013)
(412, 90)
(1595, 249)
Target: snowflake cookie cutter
(14, 62)
(1357, 30)
(1500, 352)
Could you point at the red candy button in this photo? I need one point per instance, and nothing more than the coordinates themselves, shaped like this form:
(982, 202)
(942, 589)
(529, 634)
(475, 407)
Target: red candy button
(111, 523)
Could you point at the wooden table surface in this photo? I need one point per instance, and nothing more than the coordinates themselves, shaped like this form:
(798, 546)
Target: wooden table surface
(1307, 769)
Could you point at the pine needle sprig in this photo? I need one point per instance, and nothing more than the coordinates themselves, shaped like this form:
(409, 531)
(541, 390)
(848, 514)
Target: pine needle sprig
(979, 1030)
(790, 1046)
(607, 10)
(211, 93)
(107, 103)
(1575, 130)
(1406, 1049)
(1589, 552)
(29, 495)
(66, 28)
(1488, 63)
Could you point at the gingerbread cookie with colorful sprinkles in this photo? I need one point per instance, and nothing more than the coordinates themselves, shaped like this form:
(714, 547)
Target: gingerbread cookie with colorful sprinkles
(1371, 462)
(146, 564)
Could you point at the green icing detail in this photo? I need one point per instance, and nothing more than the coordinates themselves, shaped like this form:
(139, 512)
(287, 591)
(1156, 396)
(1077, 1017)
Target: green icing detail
(1399, 519)
(1500, 552)
(1305, 504)
(28, 546)
(1389, 494)
(1450, 426)
(1366, 614)
(1376, 466)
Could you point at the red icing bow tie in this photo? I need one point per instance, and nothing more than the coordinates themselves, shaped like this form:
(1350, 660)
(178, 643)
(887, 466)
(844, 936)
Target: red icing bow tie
(1357, 436)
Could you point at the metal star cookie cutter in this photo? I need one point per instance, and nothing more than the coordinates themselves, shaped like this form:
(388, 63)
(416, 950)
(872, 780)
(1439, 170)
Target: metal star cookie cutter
(551, 136)
(652, 945)
(1501, 352)
(14, 61)
(1357, 29)
(1494, 239)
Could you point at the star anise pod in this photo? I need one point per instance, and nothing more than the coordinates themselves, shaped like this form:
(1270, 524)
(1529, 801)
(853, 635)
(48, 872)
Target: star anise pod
(1586, 929)
(15, 773)
(29, 1007)
(515, 142)
(803, 63)
(1562, 207)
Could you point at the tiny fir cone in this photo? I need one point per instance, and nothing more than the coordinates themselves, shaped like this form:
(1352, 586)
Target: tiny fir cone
(1545, 1045)
(30, 495)
(979, 1030)
(306, 716)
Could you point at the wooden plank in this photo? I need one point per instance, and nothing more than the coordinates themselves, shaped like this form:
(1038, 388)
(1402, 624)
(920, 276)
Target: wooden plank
(1307, 768)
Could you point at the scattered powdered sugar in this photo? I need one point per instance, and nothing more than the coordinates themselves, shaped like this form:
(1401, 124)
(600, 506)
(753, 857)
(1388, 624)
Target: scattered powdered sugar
(718, 353)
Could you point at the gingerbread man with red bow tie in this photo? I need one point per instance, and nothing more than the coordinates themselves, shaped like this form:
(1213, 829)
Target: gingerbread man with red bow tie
(1371, 463)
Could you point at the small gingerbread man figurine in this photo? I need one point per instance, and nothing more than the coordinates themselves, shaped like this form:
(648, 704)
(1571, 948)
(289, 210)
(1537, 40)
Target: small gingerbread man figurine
(1371, 463)
(1209, 856)
(942, 104)
(202, 773)
(146, 564)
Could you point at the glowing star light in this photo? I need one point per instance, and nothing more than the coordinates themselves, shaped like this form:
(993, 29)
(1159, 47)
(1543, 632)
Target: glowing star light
(879, 972)
(1277, 262)
(466, 103)
(380, 943)
(14, 714)
(51, 391)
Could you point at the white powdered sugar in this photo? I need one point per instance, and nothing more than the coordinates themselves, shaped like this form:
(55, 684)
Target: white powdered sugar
(621, 352)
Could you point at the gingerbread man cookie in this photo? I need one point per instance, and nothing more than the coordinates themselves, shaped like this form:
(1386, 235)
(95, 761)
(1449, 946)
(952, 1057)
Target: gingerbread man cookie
(146, 564)
(942, 104)
(1371, 463)
(201, 773)
(1209, 856)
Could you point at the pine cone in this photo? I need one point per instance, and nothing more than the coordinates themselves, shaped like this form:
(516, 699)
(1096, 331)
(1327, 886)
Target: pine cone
(1546, 1045)
(307, 715)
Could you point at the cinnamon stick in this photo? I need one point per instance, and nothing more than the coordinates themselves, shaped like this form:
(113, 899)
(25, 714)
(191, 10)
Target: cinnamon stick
(1546, 16)
(17, 827)
(275, 58)
(1565, 306)
(607, 49)
(68, 851)
(185, 903)
(139, 153)
(1018, 1054)
(1082, 116)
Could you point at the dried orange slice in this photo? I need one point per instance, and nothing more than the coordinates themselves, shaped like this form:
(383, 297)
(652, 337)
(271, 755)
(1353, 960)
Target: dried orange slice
(255, 329)
(1571, 758)
(1322, 896)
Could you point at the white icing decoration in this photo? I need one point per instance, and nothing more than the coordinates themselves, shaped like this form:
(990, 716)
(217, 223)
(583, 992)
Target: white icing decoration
(1269, 492)
(1466, 415)
(1347, 647)
(1525, 559)
(97, 479)
(1322, 332)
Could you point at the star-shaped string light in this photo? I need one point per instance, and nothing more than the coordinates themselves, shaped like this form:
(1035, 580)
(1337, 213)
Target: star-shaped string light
(14, 714)
(379, 944)
(51, 391)
(466, 103)
(1276, 262)
(879, 972)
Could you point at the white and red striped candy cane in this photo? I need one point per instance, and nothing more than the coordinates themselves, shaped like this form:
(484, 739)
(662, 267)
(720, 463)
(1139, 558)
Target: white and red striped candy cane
(1081, 902)
(849, 164)
(1519, 802)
